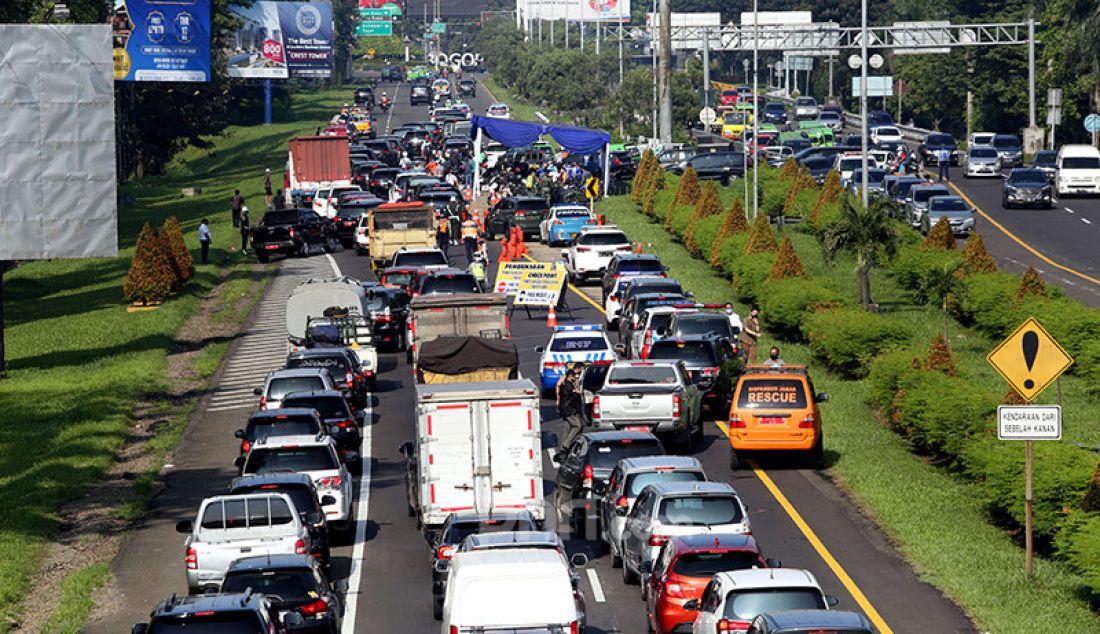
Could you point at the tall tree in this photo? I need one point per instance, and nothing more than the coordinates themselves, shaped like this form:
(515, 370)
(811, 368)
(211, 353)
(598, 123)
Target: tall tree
(869, 233)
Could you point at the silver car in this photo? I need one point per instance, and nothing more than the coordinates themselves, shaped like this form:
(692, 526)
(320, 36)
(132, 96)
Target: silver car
(916, 201)
(958, 212)
(628, 479)
(983, 160)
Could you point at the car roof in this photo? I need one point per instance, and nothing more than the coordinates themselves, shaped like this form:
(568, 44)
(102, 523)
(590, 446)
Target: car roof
(529, 199)
(637, 256)
(817, 619)
(712, 541)
(282, 411)
(653, 463)
(260, 479)
(767, 578)
(474, 516)
(284, 373)
(514, 539)
(614, 436)
(691, 488)
(313, 394)
(260, 563)
(317, 352)
(296, 440)
(512, 562)
(236, 602)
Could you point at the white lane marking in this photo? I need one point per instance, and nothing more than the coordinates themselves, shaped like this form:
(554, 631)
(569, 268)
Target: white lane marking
(332, 263)
(227, 408)
(1069, 210)
(597, 589)
(1086, 221)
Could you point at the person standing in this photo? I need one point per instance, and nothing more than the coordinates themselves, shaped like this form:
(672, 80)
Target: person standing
(773, 359)
(267, 187)
(246, 230)
(751, 334)
(442, 232)
(569, 407)
(204, 240)
(235, 205)
(469, 237)
(943, 158)
(280, 200)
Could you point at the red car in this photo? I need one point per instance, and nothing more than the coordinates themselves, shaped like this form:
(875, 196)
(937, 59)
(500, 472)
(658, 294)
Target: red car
(728, 98)
(683, 569)
(405, 277)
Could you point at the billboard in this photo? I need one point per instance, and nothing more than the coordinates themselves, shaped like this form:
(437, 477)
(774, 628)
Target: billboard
(161, 40)
(57, 137)
(278, 40)
(578, 10)
(415, 9)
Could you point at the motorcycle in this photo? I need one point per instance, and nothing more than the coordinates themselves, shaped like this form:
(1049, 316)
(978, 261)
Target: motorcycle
(384, 104)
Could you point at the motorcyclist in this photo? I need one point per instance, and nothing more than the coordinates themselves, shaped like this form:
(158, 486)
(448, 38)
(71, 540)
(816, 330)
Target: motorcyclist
(385, 101)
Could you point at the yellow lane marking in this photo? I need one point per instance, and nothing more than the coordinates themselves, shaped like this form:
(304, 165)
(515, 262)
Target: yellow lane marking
(1019, 241)
(816, 542)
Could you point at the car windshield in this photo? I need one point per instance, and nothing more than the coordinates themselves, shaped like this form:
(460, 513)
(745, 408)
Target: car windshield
(690, 352)
(639, 374)
(569, 344)
(745, 605)
(948, 204)
(829, 116)
(402, 221)
(635, 483)
(805, 101)
(708, 564)
(668, 287)
(461, 530)
(302, 496)
(922, 194)
(420, 258)
(329, 407)
(1046, 158)
(532, 205)
(402, 278)
(449, 285)
(818, 163)
(246, 512)
(1080, 163)
(903, 187)
(1027, 176)
(1006, 142)
(606, 455)
(699, 510)
(640, 266)
(940, 140)
(775, 107)
(734, 118)
(318, 458)
(235, 622)
(851, 163)
(704, 325)
(572, 213)
(288, 585)
(603, 239)
(280, 387)
(772, 394)
(270, 426)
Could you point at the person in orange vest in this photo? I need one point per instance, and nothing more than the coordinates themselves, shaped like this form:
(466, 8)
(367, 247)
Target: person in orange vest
(469, 237)
(442, 233)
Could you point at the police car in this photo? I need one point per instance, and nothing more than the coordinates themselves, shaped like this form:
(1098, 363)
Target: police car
(585, 343)
(563, 223)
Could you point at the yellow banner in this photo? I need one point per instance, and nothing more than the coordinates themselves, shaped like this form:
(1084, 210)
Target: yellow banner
(509, 275)
(541, 288)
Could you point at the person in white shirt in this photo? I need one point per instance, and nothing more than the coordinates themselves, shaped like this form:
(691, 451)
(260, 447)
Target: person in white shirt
(204, 239)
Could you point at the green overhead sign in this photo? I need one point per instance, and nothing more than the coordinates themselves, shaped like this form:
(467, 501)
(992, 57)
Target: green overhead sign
(375, 14)
(439, 27)
(372, 28)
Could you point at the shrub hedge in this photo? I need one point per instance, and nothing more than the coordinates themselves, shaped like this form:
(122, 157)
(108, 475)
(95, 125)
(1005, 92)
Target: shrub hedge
(847, 339)
(785, 303)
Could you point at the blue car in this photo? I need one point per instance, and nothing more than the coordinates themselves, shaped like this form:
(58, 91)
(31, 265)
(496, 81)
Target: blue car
(586, 343)
(563, 223)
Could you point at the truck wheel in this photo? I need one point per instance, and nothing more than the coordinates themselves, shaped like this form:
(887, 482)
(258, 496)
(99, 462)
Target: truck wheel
(735, 460)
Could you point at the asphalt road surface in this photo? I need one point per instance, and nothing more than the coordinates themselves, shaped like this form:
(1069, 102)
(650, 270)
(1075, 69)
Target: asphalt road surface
(798, 515)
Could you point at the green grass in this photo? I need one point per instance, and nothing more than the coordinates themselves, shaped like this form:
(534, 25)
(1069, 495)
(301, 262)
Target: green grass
(78, 362)
(937, 521)
(76, 599)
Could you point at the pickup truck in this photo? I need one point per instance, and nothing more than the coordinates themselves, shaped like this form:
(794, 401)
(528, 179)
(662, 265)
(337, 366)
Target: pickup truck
(462, 314)
(653, 396)
(229, 527)
(292, 232)
(339, 302)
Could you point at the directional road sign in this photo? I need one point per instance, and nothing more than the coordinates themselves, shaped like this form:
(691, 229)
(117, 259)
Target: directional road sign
(1030, 359)
(1092, 123)
(439, 27)
(375, 14)
(592, 187)
(707, 116)
(370, 28)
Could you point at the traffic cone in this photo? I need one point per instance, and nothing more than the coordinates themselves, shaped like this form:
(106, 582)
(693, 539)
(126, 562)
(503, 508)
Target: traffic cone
(551, 318)
(505, 252)
(637, 247)
(520, 243)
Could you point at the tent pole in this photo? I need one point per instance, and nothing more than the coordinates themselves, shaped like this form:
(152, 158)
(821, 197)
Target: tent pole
(606, 166)
(477, 163)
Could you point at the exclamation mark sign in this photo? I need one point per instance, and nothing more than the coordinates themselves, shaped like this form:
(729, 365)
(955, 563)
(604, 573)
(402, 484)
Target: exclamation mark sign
(1030, 344)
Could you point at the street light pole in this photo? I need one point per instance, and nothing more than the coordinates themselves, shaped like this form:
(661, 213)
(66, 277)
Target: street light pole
(863, 99)
(666, 71)
(755, 102)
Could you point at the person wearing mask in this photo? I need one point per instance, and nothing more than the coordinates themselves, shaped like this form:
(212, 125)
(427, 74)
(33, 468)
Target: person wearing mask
(570, 403)
(751, 334)
(943, 158)
(204, 240)
(442, 232)
(773, 358)
(735, 321)
(246, 229)
(235, 205)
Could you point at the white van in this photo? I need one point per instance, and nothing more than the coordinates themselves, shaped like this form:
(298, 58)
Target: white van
(1078, 170)
(510, 589)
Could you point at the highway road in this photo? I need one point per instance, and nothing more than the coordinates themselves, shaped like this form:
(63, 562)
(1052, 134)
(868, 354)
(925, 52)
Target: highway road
(798, 515)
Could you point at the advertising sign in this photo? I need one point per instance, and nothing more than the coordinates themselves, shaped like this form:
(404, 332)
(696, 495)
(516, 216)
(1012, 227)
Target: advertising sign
(161, 40)
(540, 287)
(278, 40)
(510, 273)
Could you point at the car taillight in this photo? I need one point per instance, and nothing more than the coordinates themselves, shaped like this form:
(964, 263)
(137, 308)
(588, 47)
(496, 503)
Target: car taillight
(300, 547)
(657, 540)
(676, 405)
(330, 482)
(733, 627)
(263, 402)
(596, 407)
(350, 378)
(317, 607)
(736, 422)
(574, 628)
(454, 629)
(674, 590)
(708, 371)
(557, 222)
(192, 559)
(292, 232)
(616, 162)
(807, 423)
(346, 424)
(444, 552)
(245, 446)
(587, 483)
(583, 249)
(622, 502)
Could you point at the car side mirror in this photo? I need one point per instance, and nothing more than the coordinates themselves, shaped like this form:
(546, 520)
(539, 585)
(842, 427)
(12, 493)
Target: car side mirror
(600, 488)
(257, 391)
(773, 563)
(238, 462)
(429, 536)
(645, 567)
(831, 601)
(185, 526)
(340, 586)
(661, 332)
(406, 449)
(140, 628)
(540, 349)
(822, 397)
(579, 560)
(442, 565)
(315, 517)
(297, 341)
(691, 605)
(293, 620)
(621, 511)
(239, 434)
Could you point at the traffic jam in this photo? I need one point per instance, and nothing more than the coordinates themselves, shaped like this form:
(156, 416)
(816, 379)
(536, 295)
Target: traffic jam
(514, 516)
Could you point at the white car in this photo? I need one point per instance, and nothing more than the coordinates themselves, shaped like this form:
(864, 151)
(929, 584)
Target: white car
(737, 597)
(886, 135)
(324, 202)
(428, 258)
(593, 249)
(806, 108)
(315, 456)
(614, 302)
(586, 343)
(499, 111)
(279, 383)
(1078, 170)
(563, 223)
(401, 182)
(362, 235)
(980, 138)
(846, 164)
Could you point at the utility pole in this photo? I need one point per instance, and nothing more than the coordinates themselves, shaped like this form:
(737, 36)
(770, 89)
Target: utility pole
(969, 94)
(706, 68)
(653, 64)
(666, 71)
(755, 117)
(582, 34)
(621, 56)
(863, 105)
(830, 77)
(1031, 72)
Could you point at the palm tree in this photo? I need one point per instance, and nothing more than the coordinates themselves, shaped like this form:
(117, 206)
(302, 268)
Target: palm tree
(938, 283)
(1083, 17)
(868, 233)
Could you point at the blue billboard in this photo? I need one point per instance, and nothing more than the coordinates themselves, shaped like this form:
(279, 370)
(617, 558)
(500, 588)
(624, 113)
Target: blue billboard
(277, 40)
(161, 40)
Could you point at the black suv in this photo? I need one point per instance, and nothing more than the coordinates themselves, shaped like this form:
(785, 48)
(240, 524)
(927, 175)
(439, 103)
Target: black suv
(293, 584)
(284, 421)
(338, 419)
(420, 94)
(1026, 186)
(389, 307)
(467, 88)
(443, 543)
(716, 166)
(630, 264)
(589, 461)
(302, 491)
(341, 364)
(525, 212)
(710, 361)
(347, 219)
(242, 613)
(364, 96)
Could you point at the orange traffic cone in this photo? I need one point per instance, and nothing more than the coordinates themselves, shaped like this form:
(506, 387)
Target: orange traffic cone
(505, 252)
(637, 247)
(520, 243)
(551, 318)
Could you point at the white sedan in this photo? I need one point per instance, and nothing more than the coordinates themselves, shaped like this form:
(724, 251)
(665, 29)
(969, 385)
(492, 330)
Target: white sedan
(499, 111)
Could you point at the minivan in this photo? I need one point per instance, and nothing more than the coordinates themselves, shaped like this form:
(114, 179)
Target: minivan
(1078, 170)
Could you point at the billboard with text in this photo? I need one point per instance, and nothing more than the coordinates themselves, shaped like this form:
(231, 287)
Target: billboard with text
(278, 40)
(161, 40)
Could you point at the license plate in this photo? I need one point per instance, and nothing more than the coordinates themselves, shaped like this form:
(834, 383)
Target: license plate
(637, 428)
(606, 254)
(770, 420)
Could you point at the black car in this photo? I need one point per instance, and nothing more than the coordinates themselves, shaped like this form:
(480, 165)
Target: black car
(719, 166)
(247, 612)
(364, 96)
(467, 88)
(635, 304)
(700, 324)
(292, 232)
(525, 212)
(293, 583)
(798, 144)
(347, 219)
(389, 307)
(308, 501)
(774, 112)
(622, 166)
(283, 421)
(710, 361)
(630, 264)
(393, 73)
(588, 462)
(381, 180)
(384, 150)
(1026, 186)
(935, 142)
(420, 94)
(1010, 149)
(828, 152)
(339, 421)
(819, 167)
(1047, 160)
(443, 543)
(876, 118)
(342, 365)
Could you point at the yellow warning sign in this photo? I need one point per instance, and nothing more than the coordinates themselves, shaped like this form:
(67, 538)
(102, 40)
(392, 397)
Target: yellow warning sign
(1030, 359)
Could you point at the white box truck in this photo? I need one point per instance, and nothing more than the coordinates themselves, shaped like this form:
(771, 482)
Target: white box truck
(478, 448)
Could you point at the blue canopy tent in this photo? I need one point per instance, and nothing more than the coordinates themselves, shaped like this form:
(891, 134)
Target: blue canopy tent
(511, 134)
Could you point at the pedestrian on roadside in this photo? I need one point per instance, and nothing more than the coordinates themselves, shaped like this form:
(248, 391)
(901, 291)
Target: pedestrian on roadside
(246, 230)
(280, 200)
(267, 186)
(943, 158)
(442, 233)
(204, 240)
(469, 237)
(751, 334)
(235, 205)
(773, 358)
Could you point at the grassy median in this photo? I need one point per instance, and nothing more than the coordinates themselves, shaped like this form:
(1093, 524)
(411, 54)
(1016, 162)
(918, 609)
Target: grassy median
(79, 362)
